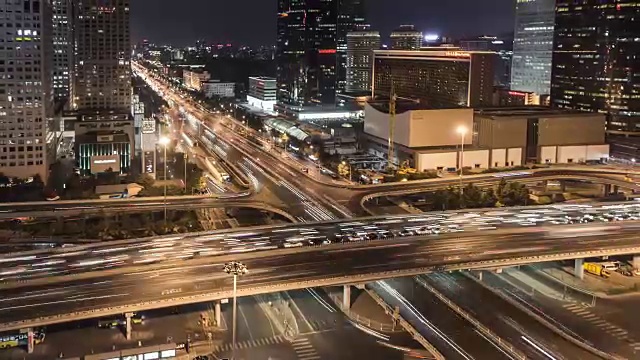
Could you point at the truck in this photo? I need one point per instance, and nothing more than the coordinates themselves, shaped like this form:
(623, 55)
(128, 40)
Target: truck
(596, 269)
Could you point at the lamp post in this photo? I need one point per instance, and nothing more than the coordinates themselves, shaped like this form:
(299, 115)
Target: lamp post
(462, 130)
(236, 269)
(164, 141)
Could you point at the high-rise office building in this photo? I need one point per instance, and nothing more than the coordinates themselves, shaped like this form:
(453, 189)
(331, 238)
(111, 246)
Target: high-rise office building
(62, 36)
(25, 87)
(351, 17)
(406, 37)
(103, 56)
(435, 78)
(596, 66)
(311, 48)
(532, 46)
(360, 47)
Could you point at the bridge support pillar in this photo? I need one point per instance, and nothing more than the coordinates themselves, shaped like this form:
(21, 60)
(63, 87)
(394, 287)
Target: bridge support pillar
(479, 273)
(127, 325)
(217, 314)
(563, 186)
(606, 190)
(616, 189)
(346, 297)
(578, 269)
(636, 262)
(31, 339)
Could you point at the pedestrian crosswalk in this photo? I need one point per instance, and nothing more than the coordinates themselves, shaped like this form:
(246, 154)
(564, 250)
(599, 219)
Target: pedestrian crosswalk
(304, 349)
(583, 311)
(248, 344)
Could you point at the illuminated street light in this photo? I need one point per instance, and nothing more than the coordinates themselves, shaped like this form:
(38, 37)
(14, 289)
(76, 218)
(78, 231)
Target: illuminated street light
(236, 269)
(164, 141)
(462, 130)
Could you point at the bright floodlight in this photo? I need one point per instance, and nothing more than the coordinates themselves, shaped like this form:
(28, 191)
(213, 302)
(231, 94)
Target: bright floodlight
(461, 130)
(164, 141)
(431, 37)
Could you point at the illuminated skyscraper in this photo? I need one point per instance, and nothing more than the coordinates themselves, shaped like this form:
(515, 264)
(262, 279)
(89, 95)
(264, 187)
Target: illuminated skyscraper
(62, 36)
(532, 46)
(311, 48)
(360, 47)
(25, 87)
(596, 61)
(406, 37)
(103, 56)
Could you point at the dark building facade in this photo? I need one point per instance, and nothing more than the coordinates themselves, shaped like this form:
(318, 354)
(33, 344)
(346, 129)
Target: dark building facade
(311, 48)
(596, 67)
(360, 47)
(437, 79)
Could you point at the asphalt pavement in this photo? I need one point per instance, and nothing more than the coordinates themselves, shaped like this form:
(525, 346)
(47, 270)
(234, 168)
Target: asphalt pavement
(205, 275)
(510, 323)
(453, 336)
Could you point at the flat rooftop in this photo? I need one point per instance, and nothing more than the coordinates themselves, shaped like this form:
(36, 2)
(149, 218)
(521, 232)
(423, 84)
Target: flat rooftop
(520, 111)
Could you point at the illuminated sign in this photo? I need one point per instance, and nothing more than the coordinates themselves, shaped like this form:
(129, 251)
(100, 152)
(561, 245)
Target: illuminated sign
(457, 54)
(327, 51)
(517, 93)
(149, 126)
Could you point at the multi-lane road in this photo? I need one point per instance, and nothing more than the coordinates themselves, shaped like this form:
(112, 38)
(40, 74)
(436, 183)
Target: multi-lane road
(110, 255)
(202, 279)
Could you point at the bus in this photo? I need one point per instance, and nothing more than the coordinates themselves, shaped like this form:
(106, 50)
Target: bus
(20, 339)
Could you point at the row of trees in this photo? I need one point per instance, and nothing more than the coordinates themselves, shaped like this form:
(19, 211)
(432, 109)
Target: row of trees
(113, 227)
(472, 197)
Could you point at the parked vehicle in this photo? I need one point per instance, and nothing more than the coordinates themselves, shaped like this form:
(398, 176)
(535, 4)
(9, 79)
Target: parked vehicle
(596, 269)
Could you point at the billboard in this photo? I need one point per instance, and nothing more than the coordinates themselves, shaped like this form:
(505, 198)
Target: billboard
(100, 164)
(149, 126)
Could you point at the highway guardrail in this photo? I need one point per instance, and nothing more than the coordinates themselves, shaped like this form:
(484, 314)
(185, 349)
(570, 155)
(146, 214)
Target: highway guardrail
(405, 325)
(546, 323)
(505, 345)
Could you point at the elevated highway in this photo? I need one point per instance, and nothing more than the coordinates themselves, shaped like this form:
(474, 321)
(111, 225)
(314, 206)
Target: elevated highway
(110, 292)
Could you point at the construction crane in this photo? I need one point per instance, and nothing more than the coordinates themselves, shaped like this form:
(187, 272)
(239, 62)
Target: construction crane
(392, 127)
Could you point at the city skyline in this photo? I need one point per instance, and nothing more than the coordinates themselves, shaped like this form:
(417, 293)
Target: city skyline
(183, 25)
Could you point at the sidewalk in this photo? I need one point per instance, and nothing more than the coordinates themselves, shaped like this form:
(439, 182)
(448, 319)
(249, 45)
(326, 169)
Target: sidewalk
(616, 285)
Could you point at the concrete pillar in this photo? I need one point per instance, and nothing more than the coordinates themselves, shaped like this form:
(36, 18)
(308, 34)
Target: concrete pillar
(127, 325)
(606, 190)
(563, 186)
(615, 189)
(479, 272)
(578, 269)
(218, 316)
(31, 340)
(636, 262)
(499, 271)
(346, 297)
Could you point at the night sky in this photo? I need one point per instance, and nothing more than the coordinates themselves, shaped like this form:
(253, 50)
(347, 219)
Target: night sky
(252, 22)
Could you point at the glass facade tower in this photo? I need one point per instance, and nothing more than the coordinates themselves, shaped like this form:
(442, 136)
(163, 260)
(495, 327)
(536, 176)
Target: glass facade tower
(311, 48)
(596, 61)
(533, 46)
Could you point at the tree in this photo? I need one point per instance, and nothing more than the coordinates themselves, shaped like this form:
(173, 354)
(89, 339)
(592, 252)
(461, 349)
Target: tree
(472, 196)
(146, 181)
(4, 179)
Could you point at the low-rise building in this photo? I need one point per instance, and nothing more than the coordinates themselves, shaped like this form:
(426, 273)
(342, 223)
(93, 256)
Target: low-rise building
(492, 138)
(262, 93)
(104, 145)
(216, 88)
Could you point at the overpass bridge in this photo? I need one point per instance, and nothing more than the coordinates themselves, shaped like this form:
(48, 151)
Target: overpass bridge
(130, 289)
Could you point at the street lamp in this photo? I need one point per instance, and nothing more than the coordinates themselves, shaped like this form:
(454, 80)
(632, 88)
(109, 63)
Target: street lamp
(236, 269)
(462, 130)
(164, 141)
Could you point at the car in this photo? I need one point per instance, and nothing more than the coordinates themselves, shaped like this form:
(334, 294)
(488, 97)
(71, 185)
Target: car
(406, 232)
